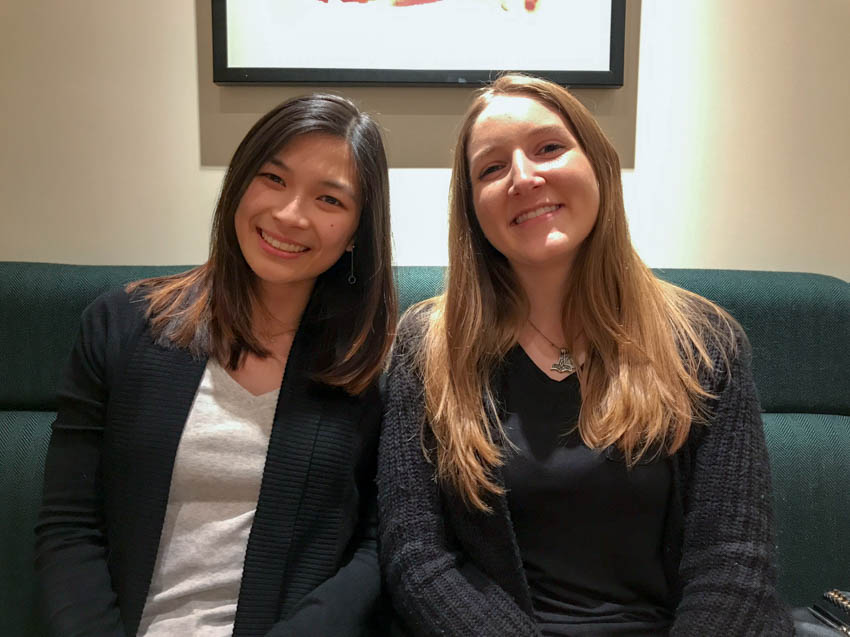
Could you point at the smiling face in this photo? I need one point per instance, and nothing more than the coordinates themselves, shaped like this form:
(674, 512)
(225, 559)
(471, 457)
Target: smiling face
(299, 213)
(535, 194)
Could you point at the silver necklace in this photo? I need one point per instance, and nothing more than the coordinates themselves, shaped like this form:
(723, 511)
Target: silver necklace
(564, 364)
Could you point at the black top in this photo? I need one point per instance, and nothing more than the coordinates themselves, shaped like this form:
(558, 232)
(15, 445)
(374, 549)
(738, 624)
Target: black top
(456, 571)
(311, 561)
(589, 530)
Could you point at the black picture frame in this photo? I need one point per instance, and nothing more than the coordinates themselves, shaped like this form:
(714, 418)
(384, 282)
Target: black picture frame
(227, 75)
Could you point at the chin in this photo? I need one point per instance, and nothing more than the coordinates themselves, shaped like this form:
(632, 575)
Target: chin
(551, 256)
(266, 272)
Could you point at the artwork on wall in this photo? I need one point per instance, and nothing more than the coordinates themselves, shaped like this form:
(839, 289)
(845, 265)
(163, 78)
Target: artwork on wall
(372, 42)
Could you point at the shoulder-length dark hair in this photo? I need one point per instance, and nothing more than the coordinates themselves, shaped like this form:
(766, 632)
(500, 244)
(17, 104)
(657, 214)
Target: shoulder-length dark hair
(208, 310)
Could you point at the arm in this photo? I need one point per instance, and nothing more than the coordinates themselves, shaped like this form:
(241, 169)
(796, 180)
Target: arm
(343, 604)
(433, 589)
(727, 565)
(71, 551)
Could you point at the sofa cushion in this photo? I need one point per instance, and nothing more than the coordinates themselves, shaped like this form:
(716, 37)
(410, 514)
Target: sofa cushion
(810, 465)
(23, 446)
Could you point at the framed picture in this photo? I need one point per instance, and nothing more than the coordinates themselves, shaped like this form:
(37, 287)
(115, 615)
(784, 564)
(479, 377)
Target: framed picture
(417, 42)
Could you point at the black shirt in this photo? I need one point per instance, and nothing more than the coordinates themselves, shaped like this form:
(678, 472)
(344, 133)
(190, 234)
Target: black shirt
(589, 530)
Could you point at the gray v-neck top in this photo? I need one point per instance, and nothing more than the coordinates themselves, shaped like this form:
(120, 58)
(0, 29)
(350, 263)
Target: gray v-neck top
(214, 489)
(589, 530)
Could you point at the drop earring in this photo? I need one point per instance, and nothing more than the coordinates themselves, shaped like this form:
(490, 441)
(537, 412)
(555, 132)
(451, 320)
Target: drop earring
(351, 278)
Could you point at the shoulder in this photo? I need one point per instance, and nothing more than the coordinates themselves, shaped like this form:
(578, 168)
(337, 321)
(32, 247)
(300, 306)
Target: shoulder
(110, 321)
(117, 303)
(409, 346)
(731, 407)
(729, 349)
(113, 313)
(107, 326)
(416, 320)
(403, 381)
(414, 325)
(712, 337)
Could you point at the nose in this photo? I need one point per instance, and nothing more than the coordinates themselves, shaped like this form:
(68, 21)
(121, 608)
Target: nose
(291, 212)
(524, 174)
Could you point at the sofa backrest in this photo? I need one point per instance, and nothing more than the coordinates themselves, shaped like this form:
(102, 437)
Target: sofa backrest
(40, 308)
(798, 324)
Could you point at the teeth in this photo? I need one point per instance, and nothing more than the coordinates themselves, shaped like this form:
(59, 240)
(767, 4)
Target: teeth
(535, 213)
(286, 247)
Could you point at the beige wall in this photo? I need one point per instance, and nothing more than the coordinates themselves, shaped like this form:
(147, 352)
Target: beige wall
(741, 138)
(100, 154)
(420, 121)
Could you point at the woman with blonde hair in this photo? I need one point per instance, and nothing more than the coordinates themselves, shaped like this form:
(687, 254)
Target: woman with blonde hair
(571, 446)
(211, 466)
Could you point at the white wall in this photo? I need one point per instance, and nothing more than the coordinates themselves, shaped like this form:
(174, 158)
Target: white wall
(741, 156)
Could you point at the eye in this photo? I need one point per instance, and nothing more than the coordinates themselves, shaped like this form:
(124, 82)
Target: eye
(489, 170)
(551, 147)
(331, 200)
(277, 179)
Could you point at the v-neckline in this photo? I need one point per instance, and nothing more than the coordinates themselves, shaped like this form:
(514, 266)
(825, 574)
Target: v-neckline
(549, 381)
(218, 370)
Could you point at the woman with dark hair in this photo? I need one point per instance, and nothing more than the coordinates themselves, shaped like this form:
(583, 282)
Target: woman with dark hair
(211, 466)
(571, 446)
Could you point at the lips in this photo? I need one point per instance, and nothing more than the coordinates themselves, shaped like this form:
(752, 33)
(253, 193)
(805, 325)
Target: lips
(285, 245)
(537, 211)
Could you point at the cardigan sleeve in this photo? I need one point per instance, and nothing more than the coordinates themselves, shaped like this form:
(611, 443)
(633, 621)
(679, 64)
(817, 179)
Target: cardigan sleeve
(727, 565)
(71, 550)
(343, 604)
(434, 590)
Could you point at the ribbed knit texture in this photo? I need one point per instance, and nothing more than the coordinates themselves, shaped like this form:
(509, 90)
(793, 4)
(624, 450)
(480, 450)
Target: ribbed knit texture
(122, 408)
(451, 571)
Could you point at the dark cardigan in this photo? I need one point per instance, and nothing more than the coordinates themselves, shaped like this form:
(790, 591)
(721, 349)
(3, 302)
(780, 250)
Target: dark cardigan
(454, 571)
(310, 565)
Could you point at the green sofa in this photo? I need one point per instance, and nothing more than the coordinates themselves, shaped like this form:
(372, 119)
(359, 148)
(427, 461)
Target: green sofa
(799, 326)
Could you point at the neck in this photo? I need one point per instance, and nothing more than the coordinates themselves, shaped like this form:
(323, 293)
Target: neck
(545, 289)
(278, 309)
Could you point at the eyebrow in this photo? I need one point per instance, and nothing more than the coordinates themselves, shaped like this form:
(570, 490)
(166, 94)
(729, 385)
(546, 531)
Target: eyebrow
(537, 131)
(328, 183)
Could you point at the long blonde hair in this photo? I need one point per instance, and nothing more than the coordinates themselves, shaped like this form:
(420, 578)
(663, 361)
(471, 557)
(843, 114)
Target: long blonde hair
(646, 340)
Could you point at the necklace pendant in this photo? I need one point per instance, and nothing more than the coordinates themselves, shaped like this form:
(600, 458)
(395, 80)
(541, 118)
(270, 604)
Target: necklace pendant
(564, 364)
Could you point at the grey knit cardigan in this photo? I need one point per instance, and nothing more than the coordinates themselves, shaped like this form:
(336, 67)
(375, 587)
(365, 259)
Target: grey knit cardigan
(454, 571)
